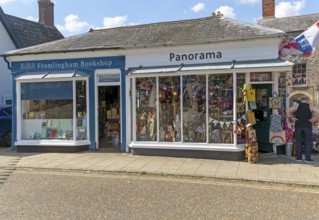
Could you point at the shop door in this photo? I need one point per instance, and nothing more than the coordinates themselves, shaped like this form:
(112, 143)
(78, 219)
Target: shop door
(109, 118)
(262, 113)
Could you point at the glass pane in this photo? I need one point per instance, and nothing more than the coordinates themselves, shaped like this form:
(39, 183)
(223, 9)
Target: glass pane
(194, 108)
(47, 90)
(81, 110)
(46, 118)
(169, 109)
(146, 121)
(241, 109)
(299, 75)
(220, 103)
(109, 78)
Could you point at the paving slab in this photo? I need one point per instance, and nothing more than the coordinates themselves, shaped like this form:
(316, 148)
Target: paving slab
(208, 168)
(270, 167)
(189, 167)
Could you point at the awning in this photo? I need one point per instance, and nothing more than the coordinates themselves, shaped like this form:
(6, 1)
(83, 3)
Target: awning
(253, 65)
(144, 70)
(51, 75)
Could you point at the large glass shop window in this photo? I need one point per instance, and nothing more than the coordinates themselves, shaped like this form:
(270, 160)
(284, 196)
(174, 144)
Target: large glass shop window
(240, 109)
(191, 108)
(220, 104)
(170, 109)
(146, 119)
(47, 110)
(194, 108)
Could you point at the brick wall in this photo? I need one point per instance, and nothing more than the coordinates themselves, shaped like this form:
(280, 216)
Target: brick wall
(268, 8)
(46, 13)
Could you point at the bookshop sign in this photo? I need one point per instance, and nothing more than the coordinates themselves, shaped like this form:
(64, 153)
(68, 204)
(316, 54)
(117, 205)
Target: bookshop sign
(65, 64)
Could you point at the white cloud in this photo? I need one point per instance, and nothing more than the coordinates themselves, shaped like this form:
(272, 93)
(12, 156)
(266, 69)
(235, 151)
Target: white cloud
(110, 22)
(226, 11)
(198, 7)
(286, 9)
(6, 1)
(28, 1)
(251, 2)
(2, 2)
(31, 18)
(73, 24)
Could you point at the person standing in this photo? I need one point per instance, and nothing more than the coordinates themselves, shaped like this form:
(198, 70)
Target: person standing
(305, 116)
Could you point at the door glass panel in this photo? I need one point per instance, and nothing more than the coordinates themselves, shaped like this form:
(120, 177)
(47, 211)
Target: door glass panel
(262, 114)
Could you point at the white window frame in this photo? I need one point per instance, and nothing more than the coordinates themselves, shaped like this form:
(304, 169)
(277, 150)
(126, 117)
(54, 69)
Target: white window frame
(54, 142)
(184, 145)
(97, 74)
(299, 65)
(5, 99)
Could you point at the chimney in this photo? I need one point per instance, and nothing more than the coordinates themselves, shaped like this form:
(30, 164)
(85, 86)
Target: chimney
(46, 14)
(268, 8)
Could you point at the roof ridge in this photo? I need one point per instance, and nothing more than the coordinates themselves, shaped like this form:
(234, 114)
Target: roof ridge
(289, 17)
(155, 23)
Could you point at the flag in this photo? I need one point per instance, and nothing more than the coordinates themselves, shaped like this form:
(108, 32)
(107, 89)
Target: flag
(304, 44)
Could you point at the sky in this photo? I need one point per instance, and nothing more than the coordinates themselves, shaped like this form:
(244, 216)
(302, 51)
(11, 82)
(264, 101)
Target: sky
(73, 17)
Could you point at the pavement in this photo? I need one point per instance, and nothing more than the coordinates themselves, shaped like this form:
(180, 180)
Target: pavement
(270, 167)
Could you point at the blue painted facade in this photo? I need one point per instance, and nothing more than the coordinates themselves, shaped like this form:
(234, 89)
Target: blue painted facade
(86, 65)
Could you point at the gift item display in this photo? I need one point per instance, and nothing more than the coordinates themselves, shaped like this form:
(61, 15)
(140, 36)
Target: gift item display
(194, 108)
(146, 120)
(239, 129)
(220, 103)
(251, 147)
(275, 101)
(49, 114)
(191, 109)
(169, 109)
(283, 82)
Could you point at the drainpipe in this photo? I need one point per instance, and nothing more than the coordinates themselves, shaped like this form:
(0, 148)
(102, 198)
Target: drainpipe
(8, 63)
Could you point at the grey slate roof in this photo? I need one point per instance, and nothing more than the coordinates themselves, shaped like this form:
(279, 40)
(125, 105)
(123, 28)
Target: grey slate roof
(203, 30)
(25, 33)
(293, 25)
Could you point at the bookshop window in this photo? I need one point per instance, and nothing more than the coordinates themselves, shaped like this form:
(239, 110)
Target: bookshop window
(81, 110)
(47, 110)
(299, 75)
(146, 119)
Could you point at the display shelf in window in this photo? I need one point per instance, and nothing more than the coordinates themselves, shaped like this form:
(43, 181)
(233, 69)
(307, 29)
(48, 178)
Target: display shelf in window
(81, 133)
(112, 127)
(37, 129)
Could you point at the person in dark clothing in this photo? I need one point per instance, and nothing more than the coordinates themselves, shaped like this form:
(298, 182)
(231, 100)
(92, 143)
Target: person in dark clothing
(305, 116)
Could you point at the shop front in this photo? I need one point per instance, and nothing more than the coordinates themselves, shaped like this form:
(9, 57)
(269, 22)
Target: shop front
(181, 90)
(56, 103)
(199, 109)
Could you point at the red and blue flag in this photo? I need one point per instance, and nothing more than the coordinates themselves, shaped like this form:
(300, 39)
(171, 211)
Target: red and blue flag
(304, 44)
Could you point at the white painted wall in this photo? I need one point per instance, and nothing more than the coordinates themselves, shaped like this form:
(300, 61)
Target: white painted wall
(6, 44)
(235, 50)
